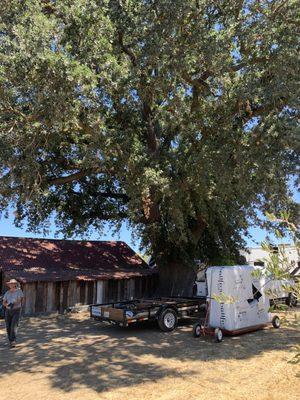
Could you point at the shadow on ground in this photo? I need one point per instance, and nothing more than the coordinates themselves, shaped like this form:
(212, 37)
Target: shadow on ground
(78, 352)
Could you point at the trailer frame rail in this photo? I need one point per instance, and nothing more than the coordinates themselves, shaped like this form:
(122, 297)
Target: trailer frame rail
(123, 313)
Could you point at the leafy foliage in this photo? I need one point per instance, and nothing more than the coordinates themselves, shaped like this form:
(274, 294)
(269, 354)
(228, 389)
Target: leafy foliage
(277, 267)
(179, 117)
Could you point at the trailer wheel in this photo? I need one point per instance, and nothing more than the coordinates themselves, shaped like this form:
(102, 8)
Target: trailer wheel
(276, 322)
(218, 334)
(197, 329)
(167, 320)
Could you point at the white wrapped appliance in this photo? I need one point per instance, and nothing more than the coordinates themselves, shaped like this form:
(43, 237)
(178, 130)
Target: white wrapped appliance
(249, 306)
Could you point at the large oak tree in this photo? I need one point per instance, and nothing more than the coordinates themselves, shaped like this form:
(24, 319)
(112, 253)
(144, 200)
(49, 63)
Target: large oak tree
(179, 117)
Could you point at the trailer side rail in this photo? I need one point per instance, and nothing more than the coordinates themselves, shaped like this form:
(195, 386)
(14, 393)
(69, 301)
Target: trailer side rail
(127, 312)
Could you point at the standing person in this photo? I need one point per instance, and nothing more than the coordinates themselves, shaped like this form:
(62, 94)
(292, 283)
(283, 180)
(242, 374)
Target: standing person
(12, 302)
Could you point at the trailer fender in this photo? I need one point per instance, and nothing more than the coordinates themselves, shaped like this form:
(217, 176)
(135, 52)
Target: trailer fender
(163, 308)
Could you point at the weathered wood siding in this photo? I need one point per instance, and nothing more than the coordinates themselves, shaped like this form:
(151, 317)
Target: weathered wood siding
(41, 297)
(29, 298)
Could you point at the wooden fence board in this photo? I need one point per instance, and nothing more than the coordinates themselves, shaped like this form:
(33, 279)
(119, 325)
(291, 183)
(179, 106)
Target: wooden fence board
(131, 289)
(30, 295)
(105, 288)
(65, 288)
(122, 289)
(72, 294)
(50, 297)
(90, 292)
(40, 300)
(58, 296)
(100, 296)
(82, 292)
(94, 292)
(57, 302)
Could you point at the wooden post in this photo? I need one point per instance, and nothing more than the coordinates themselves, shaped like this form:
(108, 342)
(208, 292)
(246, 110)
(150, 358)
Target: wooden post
(100, 292)
(50, 304)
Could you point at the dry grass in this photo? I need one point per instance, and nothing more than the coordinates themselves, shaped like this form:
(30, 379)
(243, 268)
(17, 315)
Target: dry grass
(72, 357)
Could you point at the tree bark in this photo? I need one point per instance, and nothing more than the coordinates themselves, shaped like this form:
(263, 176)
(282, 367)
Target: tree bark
(176, 274)
(176, 279)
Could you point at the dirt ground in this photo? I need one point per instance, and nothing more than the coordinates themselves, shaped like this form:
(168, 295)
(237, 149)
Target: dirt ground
(72, 357)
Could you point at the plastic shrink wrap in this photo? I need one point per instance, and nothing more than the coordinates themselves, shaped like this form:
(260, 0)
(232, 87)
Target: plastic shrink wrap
(244, 305)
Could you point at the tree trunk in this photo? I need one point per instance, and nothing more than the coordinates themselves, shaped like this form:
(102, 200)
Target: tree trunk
(176, 279)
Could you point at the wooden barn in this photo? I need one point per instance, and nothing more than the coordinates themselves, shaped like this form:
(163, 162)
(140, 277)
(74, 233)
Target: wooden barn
(57, 274)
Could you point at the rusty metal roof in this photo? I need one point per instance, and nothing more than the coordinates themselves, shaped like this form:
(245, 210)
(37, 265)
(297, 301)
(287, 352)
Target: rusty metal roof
(29, 260)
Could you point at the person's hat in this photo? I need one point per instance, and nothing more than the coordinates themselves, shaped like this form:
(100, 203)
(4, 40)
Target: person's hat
(12, 282)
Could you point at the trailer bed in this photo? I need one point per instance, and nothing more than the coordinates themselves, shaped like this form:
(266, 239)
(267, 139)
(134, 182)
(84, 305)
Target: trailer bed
(160, 309)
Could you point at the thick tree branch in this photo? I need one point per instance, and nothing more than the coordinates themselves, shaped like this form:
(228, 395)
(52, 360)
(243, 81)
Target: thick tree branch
(247, 63)
(200, 87)
(151, 212)
(126, 49)
(64, 164)
(81, 174)
(94, 215)
(248, 110)
(49, 8)
(11, 110)
(197, 228)
(69, 178)
(278, 9)
(198, 82)
(112, 195)
(257, 110)
(150, 133)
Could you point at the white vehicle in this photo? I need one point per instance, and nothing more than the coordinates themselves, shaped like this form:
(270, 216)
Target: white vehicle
(281, 291)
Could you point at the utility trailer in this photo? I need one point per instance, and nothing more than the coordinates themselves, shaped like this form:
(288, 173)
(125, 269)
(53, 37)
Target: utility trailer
(166, 310)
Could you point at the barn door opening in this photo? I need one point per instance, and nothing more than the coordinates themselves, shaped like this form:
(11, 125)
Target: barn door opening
(82, 292)
(90, 292)
(65, 288)
(41, 297)
(58, 296)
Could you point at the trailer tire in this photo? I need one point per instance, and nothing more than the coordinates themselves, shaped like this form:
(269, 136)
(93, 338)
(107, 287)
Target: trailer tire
(197, 329)
(167, 320)
(276, 322)
(218, 334)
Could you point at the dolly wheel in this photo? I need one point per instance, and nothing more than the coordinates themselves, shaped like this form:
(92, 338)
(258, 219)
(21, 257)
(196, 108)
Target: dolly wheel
(197, 328)
(276, 322)
(218, 334)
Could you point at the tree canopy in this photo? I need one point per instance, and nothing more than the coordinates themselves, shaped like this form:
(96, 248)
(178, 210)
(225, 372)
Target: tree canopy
(179, 117)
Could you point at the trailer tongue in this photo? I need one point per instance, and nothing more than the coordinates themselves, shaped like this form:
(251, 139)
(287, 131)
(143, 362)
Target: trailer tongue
(166, 310)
